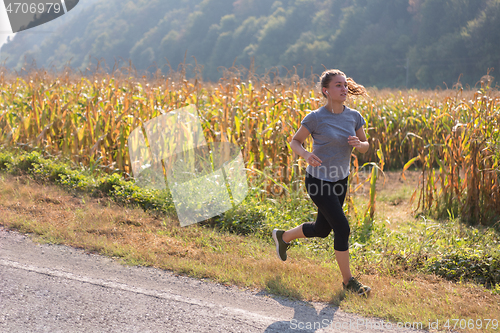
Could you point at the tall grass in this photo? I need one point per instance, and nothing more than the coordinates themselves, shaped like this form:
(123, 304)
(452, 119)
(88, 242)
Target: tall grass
(451, 134)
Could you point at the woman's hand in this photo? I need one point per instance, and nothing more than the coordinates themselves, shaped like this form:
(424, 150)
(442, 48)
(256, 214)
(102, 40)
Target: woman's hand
(361, 146)
(354, 141)
(297, 148)
(312, 159)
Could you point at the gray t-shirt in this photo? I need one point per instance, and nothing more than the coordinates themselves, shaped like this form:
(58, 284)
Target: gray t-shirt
(330, 132)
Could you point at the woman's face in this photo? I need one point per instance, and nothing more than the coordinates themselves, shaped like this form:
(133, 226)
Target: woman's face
(337, 89)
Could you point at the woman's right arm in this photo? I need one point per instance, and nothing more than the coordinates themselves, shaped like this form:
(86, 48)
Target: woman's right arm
(296, 145)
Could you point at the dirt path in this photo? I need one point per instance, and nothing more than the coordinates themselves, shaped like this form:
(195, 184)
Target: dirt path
(53, 288)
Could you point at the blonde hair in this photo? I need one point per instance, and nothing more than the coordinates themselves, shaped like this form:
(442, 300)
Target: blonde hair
(353, 88)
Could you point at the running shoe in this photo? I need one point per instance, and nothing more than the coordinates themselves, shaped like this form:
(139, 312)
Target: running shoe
(281, 246)
(355, 286)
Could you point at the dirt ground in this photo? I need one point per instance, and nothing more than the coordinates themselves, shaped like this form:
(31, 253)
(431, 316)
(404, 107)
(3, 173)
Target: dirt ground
(393, 194)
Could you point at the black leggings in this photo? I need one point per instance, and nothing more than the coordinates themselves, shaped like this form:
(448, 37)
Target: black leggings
(329, 198)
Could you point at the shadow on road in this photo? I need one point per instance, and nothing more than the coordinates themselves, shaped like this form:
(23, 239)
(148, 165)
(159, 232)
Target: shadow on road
(307, 317)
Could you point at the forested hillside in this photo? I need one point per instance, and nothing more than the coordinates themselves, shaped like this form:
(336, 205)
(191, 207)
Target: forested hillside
(383, 43)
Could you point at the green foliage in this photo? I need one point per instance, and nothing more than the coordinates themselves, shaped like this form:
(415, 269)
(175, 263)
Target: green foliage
(447, 249)
(246, 218)
(259, 214)
(114, 186)
(467, 264)
(5, 160)
(370, 40)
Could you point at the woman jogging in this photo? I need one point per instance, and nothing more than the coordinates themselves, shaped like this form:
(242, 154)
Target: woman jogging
(336, 130)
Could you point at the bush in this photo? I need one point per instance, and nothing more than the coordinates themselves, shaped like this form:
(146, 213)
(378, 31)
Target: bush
(5, 161)
(467, 264)
(242, 220)
(112, 185)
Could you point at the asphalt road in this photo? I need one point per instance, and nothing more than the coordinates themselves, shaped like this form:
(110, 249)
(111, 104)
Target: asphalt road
(53, 288)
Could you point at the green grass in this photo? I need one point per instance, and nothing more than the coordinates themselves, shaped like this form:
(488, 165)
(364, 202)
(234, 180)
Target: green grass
(396, 197)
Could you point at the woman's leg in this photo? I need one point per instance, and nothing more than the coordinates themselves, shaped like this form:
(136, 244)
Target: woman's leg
(329, 200)
(319, 228)
(334, 214)
(294, 233)
(343, 262)
(282, 238)
(342, 257)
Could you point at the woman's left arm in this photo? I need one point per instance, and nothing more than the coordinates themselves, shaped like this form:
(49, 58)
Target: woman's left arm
(359, 141)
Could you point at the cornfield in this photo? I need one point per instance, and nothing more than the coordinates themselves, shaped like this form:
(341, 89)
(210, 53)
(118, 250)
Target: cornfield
(451, 135)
